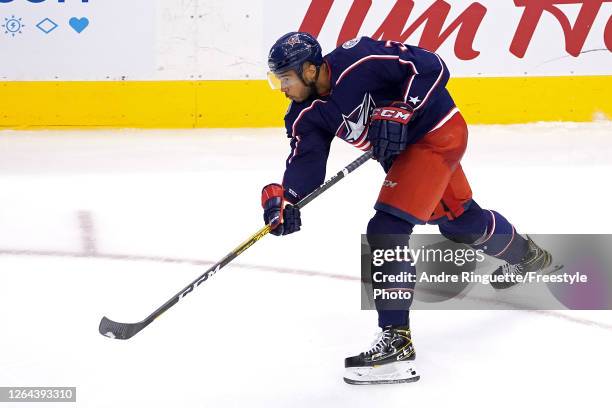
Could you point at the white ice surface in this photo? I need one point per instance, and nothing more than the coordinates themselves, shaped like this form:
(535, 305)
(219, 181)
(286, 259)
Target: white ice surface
(272, 328)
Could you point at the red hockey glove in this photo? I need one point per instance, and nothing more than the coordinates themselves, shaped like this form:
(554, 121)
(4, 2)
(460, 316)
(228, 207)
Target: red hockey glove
(282, 217)
(388, 130)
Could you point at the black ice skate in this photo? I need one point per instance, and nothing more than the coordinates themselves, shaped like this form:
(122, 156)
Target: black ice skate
(389, 361)
(537, 259)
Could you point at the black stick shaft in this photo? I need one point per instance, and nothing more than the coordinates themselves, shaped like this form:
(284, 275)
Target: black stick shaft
(339, 176)
(113, 329)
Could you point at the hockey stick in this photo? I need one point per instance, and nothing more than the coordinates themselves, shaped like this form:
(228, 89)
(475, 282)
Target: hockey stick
(118, 330)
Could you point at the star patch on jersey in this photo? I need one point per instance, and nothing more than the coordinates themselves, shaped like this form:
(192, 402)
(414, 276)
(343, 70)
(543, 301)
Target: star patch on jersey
(414, 100)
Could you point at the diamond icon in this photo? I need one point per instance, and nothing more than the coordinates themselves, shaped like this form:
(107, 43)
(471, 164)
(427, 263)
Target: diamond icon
(47, 25)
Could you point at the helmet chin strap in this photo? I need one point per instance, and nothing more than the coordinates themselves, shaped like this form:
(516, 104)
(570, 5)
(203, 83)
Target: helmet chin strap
(313, 85)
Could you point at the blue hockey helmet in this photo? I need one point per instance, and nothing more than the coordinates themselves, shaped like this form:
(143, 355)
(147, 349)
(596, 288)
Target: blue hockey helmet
(292, 50)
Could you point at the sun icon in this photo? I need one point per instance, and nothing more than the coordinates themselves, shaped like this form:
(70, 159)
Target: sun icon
(12, 26)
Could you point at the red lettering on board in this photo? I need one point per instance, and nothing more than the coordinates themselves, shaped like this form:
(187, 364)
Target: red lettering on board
(466, 25)
(574, 36)
(392, 27)
(315, 16)
(608, 34)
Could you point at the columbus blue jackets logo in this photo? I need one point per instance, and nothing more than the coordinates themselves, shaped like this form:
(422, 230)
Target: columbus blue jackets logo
(295, 39)
(353, 128)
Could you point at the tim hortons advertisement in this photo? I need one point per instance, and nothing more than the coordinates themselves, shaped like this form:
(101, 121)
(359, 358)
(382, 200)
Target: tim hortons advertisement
(488, 38)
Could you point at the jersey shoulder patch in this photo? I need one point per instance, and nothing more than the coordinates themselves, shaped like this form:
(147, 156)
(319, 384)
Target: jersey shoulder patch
(351, 43)
(349, 53)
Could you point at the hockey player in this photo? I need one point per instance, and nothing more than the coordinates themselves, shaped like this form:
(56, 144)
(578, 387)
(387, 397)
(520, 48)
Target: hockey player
(392, 98)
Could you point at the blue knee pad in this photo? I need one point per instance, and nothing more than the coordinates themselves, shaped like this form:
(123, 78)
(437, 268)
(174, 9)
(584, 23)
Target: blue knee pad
(486, 230)
(383, 223)
(381, 230)
(468, 227)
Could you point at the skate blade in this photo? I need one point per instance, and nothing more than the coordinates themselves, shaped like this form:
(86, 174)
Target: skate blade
(392, 373)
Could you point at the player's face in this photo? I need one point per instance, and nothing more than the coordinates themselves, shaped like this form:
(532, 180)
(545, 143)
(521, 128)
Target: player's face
(290, 84)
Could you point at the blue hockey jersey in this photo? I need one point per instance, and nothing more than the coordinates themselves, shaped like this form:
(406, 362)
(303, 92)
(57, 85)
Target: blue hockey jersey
(364, 74)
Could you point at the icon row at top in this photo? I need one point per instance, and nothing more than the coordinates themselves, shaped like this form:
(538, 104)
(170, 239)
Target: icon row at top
(14, 25)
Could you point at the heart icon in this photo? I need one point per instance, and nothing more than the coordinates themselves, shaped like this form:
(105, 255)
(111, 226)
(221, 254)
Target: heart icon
(79, 24)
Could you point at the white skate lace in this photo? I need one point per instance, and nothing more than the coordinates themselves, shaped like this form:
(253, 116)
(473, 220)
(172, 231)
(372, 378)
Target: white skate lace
(518, 269)
(381, 341)
(508, 269)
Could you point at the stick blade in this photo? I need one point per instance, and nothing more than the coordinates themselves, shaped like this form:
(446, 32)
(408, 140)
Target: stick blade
(116, 330)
